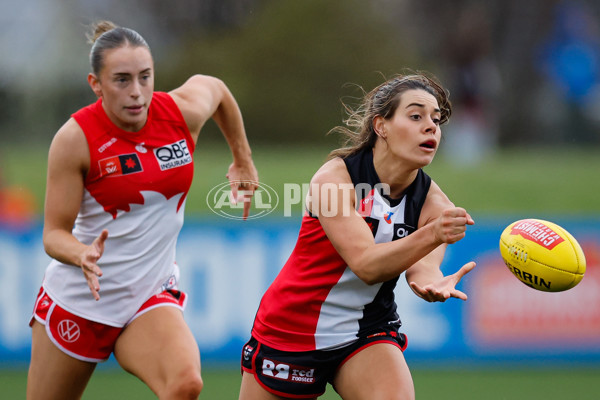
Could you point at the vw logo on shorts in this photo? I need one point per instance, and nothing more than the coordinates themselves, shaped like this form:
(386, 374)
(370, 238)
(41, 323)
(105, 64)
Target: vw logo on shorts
(68, 330)
(263, 202)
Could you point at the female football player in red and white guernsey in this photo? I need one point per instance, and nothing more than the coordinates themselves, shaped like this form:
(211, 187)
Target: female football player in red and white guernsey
(372, 214)
(119, 171)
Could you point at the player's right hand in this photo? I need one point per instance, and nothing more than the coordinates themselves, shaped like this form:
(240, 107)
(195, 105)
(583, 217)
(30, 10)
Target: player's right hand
(90, 257)
(451, 226)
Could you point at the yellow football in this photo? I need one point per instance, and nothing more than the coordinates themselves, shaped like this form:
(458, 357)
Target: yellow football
(542, 255)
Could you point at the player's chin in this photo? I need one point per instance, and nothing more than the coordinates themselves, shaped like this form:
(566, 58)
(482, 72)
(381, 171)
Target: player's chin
(425, 159)
(133, 122)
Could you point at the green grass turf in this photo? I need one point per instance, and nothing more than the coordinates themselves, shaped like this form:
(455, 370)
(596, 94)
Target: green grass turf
(547, 181)
(454, 384)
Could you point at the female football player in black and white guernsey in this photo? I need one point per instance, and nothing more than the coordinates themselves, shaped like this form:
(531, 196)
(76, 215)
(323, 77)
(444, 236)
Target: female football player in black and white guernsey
(372, 214)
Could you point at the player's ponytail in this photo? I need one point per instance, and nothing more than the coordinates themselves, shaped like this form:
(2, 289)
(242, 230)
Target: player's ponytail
(98, 29)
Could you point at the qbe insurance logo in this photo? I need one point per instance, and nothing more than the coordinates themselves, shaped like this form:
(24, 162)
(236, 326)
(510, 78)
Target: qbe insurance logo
(263, 201)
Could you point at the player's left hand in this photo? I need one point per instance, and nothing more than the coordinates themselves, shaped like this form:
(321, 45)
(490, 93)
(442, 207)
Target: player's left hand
(445, 288)
(243, 181)
(89, 266)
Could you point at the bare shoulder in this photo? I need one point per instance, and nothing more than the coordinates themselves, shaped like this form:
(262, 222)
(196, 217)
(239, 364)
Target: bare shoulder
(69, 146)
(70, 134)
(198, 99)
(200, 94)
(333, 171)
(331, 178)
(435, 203)
(194, 86)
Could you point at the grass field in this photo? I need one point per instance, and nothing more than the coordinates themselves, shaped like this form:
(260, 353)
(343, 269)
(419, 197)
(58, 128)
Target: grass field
(447, 384)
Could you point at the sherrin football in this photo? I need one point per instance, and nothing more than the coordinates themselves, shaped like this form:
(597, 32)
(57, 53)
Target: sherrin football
(542, 255)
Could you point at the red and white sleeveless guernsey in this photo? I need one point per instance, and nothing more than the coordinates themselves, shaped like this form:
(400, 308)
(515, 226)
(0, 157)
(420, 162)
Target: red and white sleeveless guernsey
(136, 188)
(316, 302)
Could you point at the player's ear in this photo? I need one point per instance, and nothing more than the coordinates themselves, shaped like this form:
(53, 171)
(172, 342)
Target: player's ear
(94, 83)
(379, 127)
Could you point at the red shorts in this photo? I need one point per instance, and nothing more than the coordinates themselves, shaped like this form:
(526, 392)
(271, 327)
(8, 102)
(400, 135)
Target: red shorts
(88, 340)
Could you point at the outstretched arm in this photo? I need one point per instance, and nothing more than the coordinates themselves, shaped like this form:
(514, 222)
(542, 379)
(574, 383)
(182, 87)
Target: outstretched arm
(425, 277)
(203, 97)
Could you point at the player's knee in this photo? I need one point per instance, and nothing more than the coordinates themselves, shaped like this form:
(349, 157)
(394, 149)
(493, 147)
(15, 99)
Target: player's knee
(191, 386)
(187, 385)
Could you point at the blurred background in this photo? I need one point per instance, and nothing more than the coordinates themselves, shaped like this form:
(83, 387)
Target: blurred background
(523, 141)
(520, 72)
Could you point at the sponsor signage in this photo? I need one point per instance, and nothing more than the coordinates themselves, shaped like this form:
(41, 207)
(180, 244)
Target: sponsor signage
(502, 319)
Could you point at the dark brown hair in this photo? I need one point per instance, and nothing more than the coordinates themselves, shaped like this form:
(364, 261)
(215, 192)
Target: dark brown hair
(383, 100)
(105, 35)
